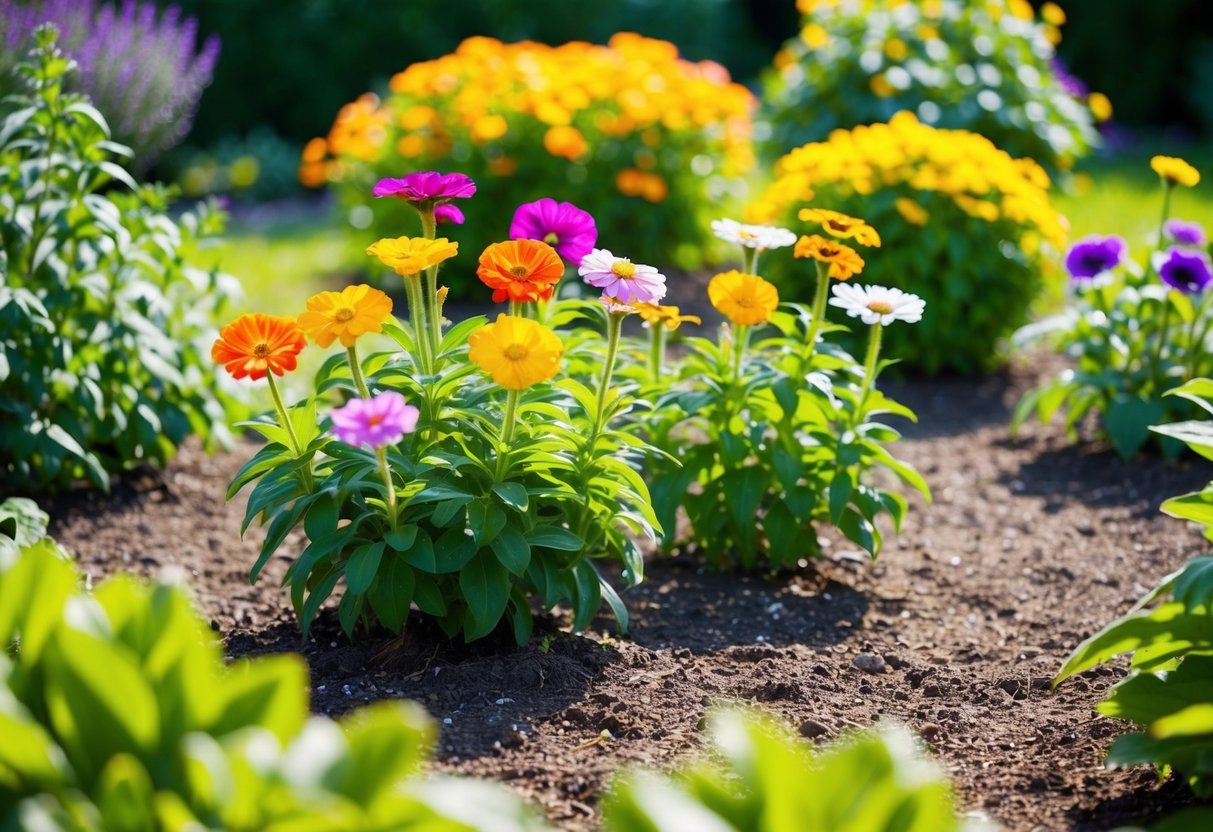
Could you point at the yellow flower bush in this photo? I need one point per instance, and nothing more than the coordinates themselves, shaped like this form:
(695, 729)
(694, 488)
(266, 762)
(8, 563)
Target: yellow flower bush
(644, 140)
(965, 226)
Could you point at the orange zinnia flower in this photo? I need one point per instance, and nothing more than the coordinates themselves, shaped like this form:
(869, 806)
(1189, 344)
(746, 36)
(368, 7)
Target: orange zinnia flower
(520, 270)
(844, 262)
(255, 344)
(840, 225)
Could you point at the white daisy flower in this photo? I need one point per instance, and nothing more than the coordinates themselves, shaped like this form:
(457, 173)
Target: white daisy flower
(753, 236)
(877, 304)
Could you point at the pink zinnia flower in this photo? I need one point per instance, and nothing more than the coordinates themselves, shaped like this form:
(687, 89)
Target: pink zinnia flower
(621, 279)
(448, 213)
(562, 225)
(378, 421)
(427, 186)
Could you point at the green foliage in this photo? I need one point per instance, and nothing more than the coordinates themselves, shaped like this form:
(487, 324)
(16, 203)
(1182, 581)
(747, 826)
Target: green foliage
(876, 781)
(1135, 342)
(103, 326)
(22, 523)
(1169, 632)
(983, 67)
(118, 712)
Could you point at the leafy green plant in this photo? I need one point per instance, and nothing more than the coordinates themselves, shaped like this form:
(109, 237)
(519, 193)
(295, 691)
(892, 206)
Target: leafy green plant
(1136, 332)
(22, 523)
(1169, 632)
(873, 781)
(103, 325)
(982, 67)
(118, 712)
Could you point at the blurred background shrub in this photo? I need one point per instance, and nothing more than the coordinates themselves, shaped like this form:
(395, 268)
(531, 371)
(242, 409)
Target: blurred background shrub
(138, 65)
(650, 144)
(964, 226)
(979, 66)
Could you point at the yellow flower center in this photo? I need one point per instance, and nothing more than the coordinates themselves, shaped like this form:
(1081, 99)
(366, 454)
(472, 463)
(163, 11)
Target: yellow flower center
(744, 301)
(624, 269)
(516, 352)
(343, 314)
(745, 235)
(519, 271)
(551, 239)
(261, 350)
(880, 307)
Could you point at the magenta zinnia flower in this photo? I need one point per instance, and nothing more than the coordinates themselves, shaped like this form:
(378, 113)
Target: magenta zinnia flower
(378, 421)
(562, 225)
(1186, 270)
(427, 186)
(621, 279)
(448, 213)
(1185, 233)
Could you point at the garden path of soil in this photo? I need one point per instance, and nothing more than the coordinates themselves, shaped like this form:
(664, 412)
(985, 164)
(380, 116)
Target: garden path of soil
(1029, 547)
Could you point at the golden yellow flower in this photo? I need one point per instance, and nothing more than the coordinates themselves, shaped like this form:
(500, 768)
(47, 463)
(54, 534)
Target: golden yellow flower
(1175, 171)
(410, 255)
(840, 225)
(516, 352)
(670, 316)
(911, 211)
(745, 299)
(345, 315)
(565, 141)
(1101, 106)
(844, 261)
(815, 36)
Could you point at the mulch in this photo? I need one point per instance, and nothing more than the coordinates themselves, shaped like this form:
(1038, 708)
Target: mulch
(1030, 546)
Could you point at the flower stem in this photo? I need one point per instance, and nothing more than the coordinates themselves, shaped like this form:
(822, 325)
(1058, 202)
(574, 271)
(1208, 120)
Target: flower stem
(614, 327)
(869, 372)
(515, 308)
(507, 431)
(741, 340)
(356, 371)
(819, 312)
(390, 488)
(412, 288)
(305, 473)
(429, 286)
(657, 351)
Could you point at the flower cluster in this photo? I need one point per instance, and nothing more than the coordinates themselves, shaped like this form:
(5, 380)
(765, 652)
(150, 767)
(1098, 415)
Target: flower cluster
(650, 139)
(1137, 330)
(987, 67)
(966, 226)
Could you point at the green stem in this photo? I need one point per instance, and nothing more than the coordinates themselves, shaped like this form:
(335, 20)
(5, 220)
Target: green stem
(507, 432)
(819, 312)
(516, 310)
(614, 327)
(869, 372)
(741, 339)
(412, 289)
(356, 371)
(1201, 321)
(390, 488)
(657, 351)
(305, 473)
(1157, 371)
(429, 287)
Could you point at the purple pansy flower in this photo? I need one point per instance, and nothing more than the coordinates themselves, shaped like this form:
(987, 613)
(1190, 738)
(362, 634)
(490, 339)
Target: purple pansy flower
(562, 225)
(1184, 269)
(621, 279)
(1094, 255)
(378, 421)
(448, 213)
(427, 186)
(1185, 233)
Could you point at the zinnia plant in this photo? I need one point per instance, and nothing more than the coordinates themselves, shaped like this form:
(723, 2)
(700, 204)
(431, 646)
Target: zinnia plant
(1136, 329)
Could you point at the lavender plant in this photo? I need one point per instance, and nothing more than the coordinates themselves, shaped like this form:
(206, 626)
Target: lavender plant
(140, 69)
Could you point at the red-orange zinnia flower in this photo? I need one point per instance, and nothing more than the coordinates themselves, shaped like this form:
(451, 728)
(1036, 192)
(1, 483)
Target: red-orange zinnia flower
(520, 270)
(255, 344)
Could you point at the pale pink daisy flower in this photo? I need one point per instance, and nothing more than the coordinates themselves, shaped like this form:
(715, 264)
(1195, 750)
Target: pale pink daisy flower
(621, 279)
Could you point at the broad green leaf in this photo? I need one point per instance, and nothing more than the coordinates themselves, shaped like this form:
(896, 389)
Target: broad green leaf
(1127, 422)
(554, 537)
(1197, 390)
(392, 592)
(486, 589)
(513, 494)
(512, 550)
(362, 567)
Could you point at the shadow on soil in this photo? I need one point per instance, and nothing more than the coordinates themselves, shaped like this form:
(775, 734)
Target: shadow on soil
(951, 405)
(1142, 807)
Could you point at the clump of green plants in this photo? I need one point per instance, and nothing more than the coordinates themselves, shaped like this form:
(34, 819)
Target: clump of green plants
(1168, 693)
(986, 67)
(118, 712)
(1136, 330)
(103, 323)
(22, 523)
(765, 779)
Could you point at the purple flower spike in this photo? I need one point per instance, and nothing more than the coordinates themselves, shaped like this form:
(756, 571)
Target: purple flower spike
(1185, 233)
(1188, 271)
(448, 213)
(1094, 255)
(427, 186)
(378, 421)
(562, 225)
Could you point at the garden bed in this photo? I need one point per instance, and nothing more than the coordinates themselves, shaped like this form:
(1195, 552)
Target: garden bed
(1029, 547)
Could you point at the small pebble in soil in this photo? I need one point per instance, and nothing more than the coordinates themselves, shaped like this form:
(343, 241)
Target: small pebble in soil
(869, 663)
(447, 721)
(812, 729)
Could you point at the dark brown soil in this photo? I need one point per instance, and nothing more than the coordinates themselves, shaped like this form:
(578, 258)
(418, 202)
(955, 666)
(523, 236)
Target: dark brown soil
(1029, 547)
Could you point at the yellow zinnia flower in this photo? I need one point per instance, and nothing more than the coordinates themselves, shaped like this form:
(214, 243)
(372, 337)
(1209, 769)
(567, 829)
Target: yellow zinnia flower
(840, 225)
(745, 299)
(345, 315)
(1175, 171)
(911, 211)
(844, 261)
(654, 315)
(410, 255)
(516, 352)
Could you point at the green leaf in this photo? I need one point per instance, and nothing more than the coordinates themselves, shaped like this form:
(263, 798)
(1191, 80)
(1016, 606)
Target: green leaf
(486, 589)
(401, 538)
(554, 537)
(269, 692)
(1198, 390)
(1127, 422)
(513, 494)
(512, 550)
(421, 553)
(840, 495)
(1197, 435)
(1197, 507)
(392, 592)
(428, 596)
(588, 594)
(362, 567)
